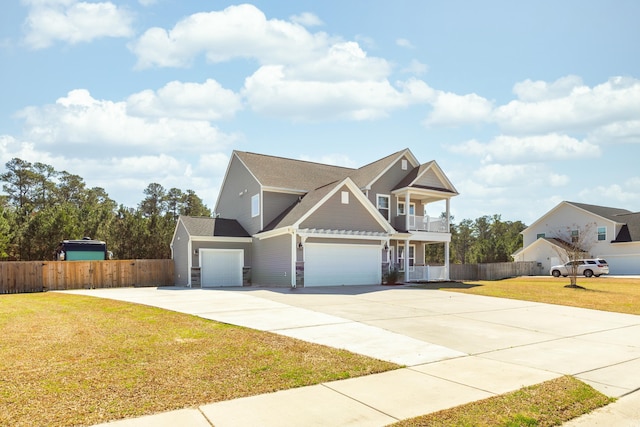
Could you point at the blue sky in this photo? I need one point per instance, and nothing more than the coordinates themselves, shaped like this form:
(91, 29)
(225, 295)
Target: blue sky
(522, 104)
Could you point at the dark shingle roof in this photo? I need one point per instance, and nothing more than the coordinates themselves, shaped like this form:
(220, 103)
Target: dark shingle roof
(610, 213)
(218, 227)
(279, 172)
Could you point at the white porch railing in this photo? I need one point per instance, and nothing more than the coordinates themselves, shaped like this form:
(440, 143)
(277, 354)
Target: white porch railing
(427, 273)
(422, 223)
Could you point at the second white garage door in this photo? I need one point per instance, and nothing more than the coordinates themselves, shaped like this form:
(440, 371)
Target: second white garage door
(221, 267)
(342, 264)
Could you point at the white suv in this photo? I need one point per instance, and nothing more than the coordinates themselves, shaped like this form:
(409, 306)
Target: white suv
(587, 267)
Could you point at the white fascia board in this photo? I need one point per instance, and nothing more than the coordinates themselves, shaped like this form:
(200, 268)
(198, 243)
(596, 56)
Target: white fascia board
(224, 239)
(285, 190)
(335, 234)
(273, 233)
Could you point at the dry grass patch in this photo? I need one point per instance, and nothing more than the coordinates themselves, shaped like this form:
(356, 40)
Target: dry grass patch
(73, 360)
(548, 404)
(601, 293)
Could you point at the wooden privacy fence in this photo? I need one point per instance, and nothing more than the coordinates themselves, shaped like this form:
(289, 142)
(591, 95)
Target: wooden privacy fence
(494, 271)
(39, 276)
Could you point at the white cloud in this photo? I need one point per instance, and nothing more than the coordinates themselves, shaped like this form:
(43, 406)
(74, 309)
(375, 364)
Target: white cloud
(615, 193)
(307, 19)
(82, 123)
(191, 101)
(269, 91)
(236, 32)
(617, 132)
(542, 148)
(566, 106)
(450, 109)
(416, 67)
(404, 43)
(74, 22)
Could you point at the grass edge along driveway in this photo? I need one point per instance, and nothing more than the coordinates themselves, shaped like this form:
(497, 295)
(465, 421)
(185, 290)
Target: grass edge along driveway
(78, 360)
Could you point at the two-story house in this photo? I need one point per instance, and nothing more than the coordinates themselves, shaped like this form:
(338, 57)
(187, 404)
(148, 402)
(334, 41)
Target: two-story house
(287, 222)
(612, 234)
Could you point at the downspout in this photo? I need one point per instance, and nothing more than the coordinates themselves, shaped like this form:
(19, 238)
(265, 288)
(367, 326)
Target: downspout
(447, 244)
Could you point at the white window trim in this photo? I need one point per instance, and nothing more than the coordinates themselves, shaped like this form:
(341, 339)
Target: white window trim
(344, 198)
(255, 205)
(604, 234)
(388, 208)
(411, 258)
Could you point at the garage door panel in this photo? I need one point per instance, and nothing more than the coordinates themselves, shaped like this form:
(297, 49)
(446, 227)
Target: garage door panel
(221, 267)
(342, 264)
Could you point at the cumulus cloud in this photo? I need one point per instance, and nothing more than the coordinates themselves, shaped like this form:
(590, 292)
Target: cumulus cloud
(236, 32)
(513, 149)
(82, 123)
(191, 101)
(450, 109)
(73, 21)
(566, 105)
(307, 19)
(404, 43)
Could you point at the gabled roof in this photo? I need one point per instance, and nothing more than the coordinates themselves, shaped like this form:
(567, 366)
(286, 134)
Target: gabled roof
(612, 214)
(311, 201)
(290, 174)
(212, 227)
(365, 176)
(630, 232)
(413, 179)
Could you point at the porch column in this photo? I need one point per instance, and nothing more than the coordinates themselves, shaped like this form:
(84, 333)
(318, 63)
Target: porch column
(406, 260)
(407, 199)
(446, 261)
(448, 215)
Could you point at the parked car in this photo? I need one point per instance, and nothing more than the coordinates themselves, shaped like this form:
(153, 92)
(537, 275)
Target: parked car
(586, 267)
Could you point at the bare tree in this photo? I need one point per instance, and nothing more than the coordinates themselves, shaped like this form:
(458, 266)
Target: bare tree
(574, 244)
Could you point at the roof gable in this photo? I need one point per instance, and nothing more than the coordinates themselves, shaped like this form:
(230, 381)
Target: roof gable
(313, 200)
(367, 175)
(428, 176)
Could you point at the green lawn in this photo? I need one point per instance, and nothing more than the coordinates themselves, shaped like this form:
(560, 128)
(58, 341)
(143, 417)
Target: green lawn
(619, 295)
(73, 360)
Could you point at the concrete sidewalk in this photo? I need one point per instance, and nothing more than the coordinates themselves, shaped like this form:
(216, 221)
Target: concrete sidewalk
(457, 348)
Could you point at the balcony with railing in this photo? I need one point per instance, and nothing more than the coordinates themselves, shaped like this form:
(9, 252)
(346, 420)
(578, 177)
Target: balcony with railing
(421, 223)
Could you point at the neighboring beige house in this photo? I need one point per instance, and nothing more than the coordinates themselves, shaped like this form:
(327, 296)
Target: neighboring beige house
(614, 236)
(285, 222)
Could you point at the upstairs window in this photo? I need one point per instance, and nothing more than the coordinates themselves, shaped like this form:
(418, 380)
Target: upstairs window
(383, 205)
(401, 210)
(540, 236)
(255, 205)
(575, 236)
(602, 233)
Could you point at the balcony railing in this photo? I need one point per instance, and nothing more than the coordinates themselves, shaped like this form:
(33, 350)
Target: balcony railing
(421, 223)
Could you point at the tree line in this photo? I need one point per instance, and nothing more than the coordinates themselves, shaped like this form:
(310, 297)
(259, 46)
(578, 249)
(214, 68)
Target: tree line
(484, 240)
(41, 207)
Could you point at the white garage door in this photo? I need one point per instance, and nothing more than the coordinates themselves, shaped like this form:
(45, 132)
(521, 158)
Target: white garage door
(221, 267)
(342, 264)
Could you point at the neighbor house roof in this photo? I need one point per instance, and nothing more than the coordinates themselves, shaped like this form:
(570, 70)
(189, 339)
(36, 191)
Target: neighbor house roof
(630, 232)
(213, 227)
(609, 213)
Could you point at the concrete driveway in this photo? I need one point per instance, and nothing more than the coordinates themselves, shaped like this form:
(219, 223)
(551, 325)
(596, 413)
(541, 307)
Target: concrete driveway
(457, 347)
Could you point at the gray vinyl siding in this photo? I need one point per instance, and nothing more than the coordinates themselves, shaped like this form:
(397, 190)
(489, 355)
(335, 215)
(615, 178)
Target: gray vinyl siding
(181, 256)
(234, 202)
(222, 245)
(430, 179)
(272, 263)
(276, 203)
(334, 215)
(387, 182)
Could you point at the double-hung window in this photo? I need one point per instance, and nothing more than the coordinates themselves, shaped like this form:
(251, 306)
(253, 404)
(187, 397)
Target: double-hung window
(383, 205)
(602, 233)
